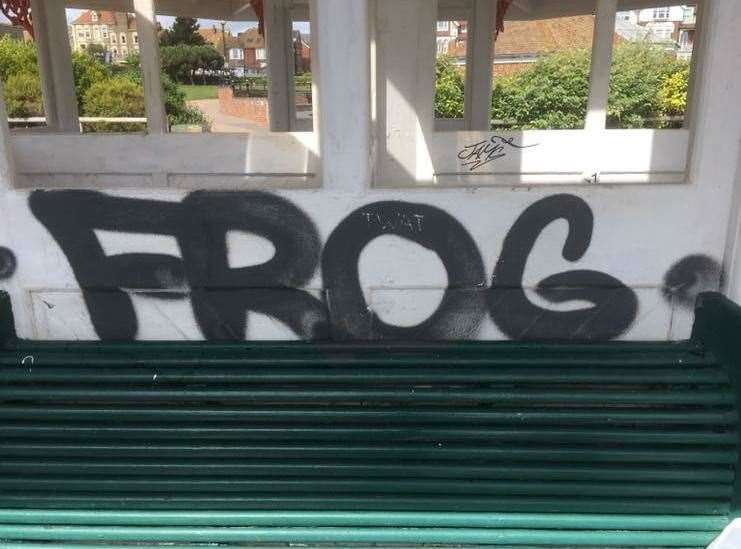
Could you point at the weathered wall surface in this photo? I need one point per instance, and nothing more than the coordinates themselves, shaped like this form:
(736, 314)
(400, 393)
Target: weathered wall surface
(428, 265)
(350, 262)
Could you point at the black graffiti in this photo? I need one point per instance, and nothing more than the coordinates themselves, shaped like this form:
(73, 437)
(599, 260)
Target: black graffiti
(689, 277)
(8, 263)
(222, 296)
(479, 154)
(614, 305)
(462, 308)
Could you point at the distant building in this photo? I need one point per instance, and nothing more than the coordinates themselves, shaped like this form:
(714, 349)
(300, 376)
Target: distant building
(672, 26)
(114, 31)
(246, 53)
(522, 42)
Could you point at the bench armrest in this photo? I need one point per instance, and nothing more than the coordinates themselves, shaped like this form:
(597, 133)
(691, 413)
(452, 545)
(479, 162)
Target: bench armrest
(717, 329)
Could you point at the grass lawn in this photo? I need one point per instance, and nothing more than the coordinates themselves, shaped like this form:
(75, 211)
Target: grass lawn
(196, 92)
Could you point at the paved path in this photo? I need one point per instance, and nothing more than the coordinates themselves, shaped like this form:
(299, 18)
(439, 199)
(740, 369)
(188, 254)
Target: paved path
(224, 123)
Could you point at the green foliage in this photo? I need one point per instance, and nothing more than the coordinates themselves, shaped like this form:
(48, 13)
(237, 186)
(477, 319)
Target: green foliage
(182, 61)
(673, 93)
(17, 57)
(23, 95)
(646, 85)
(114, 97)
(97, 51)
(552, 93)
(190, 115)
(638, 73)
(87, 71)
(449, 89)
(184, 31)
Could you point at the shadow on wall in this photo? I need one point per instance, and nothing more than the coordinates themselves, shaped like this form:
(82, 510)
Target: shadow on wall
(221, 295)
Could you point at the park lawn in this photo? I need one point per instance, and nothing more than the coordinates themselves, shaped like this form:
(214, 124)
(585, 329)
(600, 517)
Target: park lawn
(194, 93)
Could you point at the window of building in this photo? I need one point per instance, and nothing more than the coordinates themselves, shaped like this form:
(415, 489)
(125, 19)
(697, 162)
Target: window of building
(548, 100)
(236, 54)
(136, 38)
(443, 26)
(661, 13)
(123, 38)
(260, 54)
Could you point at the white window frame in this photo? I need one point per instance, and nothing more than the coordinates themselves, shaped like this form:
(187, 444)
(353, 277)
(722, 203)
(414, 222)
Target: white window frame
(236, 54)
(443, 26)
(411, 149)
(60, 156)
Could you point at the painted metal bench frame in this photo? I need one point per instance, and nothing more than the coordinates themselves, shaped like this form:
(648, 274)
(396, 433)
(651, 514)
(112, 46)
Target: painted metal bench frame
(697, 383)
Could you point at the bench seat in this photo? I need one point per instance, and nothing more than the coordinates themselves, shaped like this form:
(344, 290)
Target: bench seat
(438, 444)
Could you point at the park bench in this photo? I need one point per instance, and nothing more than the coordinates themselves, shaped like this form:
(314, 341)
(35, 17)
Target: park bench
(407, 444)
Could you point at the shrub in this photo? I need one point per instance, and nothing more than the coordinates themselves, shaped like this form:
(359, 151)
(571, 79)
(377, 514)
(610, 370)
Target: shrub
(449, 89)
(23, 95)
(638, 73)
(87, 71)
(673, 93)
(17, 57)
(114, 97)
(550, 94)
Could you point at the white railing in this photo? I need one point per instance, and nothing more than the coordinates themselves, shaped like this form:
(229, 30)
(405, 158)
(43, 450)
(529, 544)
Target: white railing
(39, 120)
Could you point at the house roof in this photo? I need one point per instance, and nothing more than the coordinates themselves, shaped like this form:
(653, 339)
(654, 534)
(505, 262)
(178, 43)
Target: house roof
(545, 35)
(251, 38)
(104, 18)
(537, 37)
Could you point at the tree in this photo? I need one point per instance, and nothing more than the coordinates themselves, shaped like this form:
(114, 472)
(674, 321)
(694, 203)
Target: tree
(184, 31)
(449, 89)
(182, 62)
(18, 13)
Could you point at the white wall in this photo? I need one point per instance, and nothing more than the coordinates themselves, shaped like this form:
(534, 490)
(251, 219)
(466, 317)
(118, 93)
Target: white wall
(676, 13)
(640, 234)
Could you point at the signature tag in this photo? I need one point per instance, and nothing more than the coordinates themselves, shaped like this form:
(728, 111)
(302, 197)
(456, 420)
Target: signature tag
(482, 153)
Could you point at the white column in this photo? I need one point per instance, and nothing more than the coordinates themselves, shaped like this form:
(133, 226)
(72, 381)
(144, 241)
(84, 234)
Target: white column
(341, 68)
(479, 60)
(279, 45)
(55, 64)
(599, 77)
(405, 64)
(149, 55)
(7, 164)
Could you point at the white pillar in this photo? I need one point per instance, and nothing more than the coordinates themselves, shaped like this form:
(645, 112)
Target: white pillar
(479, 61)
(405, 65)
(55, 65)
(7, 164)
(279, 45)
(149, 55)
(599, 76)
(341, 68)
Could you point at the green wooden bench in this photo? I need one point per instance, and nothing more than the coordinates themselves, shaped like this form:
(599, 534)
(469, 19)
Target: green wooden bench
(448, 444)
